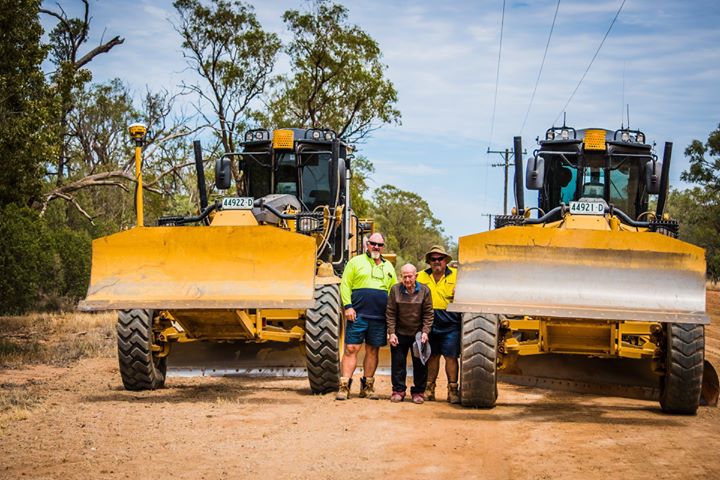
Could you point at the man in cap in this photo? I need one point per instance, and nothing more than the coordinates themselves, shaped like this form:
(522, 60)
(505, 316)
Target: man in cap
(364, 292)
(445, 334)
(409, 312)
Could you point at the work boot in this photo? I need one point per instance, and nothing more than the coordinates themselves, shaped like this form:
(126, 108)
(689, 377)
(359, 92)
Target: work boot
(430, 392)
(367, 388)
(344, 390)
(453, 393)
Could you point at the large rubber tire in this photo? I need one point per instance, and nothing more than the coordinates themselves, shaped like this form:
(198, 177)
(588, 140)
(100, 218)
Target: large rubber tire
(681, 385)
(323, 328)
(478, 360)
(139, 368)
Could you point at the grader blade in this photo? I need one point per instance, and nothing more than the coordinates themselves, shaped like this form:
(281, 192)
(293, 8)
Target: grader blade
(201, 267)
(618, 377)
(591, 274)
(211, 359)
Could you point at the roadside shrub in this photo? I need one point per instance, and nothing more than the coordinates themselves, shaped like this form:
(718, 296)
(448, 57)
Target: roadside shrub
(41, 268)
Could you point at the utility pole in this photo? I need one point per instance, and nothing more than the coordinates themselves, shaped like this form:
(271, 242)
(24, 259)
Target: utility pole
(490, 216)
(506, 164)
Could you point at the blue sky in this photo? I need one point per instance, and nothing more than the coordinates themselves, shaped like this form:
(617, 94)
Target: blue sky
(662, 57)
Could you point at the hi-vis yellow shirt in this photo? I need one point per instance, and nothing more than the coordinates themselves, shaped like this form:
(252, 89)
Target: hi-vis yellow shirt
(443, 293)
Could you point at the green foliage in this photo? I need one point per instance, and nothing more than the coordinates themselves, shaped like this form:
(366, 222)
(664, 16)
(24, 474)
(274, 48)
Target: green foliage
(42, 267)
(225, 44)
(704, 171)
(337, 79)
(362, 169)
(25, 261)
(698, 209)
(407, 222)
(25, 126)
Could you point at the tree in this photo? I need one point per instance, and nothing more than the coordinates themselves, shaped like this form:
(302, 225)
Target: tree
(698, 209)
(66, 40)
(362, 169)
(337, 79)
(407, 222)
(704, 171)
(25, 136)
(99, 154)
(233, 55)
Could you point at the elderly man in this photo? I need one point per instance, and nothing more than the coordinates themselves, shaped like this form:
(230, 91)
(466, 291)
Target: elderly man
(364, 292)
(445, 334)
(409, 311)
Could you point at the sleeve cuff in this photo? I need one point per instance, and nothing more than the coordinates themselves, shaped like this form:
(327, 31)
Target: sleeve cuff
(349, 305)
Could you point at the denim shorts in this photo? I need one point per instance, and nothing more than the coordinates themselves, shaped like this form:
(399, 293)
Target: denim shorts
(445, 343)
(372, 332)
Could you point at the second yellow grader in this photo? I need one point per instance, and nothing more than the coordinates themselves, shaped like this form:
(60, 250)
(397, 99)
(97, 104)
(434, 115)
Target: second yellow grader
(595, 273)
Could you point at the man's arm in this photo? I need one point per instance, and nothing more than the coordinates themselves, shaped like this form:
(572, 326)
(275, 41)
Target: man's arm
(391, 312)
(391, 317)
(428, 314)
(346, 284)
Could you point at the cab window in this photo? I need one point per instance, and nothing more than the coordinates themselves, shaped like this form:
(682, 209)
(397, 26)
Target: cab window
(286, 174)
(316, 180)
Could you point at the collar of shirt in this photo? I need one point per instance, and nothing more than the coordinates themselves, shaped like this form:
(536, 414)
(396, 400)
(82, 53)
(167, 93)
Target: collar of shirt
(416, 290)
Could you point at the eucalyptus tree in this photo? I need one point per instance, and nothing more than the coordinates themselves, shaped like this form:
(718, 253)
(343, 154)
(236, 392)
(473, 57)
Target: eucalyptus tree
(336, 80)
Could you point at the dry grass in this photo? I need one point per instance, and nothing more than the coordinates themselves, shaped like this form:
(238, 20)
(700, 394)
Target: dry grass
(55, 339)
(49, 339)
(18, 401)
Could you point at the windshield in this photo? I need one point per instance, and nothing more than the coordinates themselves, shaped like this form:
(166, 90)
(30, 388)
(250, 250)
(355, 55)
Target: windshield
(316, 179)
(286, 180)
(562, 184)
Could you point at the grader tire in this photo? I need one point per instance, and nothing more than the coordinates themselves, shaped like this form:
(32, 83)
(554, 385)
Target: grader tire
(323, 326)
(478, 369)
(139, 368)
(681, 385)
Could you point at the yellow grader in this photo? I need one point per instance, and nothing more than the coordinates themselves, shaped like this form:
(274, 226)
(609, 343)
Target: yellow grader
(258, 268)
(596, 274)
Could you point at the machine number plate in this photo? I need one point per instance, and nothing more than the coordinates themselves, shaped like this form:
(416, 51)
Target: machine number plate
(587, 208)
(237, 203)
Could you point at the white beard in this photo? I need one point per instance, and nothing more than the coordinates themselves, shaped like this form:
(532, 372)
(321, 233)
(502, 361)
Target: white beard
(374, 254)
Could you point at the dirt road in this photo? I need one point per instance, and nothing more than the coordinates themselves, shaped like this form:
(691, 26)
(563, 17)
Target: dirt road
(87, 426)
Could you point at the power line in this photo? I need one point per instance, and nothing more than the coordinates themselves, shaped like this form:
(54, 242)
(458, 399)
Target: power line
(497, 82)
(591, 62)
(541, 68)
(497, 76)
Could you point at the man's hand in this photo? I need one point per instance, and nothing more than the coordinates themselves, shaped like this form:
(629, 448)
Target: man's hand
(393, 340)
(424, 337)
(350, 314)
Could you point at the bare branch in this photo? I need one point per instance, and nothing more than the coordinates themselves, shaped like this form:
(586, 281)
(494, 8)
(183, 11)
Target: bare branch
(104, 48)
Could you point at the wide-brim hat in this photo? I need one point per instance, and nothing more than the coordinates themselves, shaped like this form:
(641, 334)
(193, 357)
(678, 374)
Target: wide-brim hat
(437, 249)
(421, 350)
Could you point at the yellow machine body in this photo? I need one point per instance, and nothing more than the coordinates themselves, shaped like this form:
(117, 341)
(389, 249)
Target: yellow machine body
(579, 299)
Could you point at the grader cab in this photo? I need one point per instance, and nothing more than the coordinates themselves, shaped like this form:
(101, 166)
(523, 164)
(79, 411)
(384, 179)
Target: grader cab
(257, 268)
(595, 274)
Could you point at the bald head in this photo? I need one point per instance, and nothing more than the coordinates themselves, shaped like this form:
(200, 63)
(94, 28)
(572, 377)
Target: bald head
(377, 238)
(408, 275)
(408, 268)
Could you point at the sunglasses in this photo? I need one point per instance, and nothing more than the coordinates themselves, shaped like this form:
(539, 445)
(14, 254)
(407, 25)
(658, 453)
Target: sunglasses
(437, 259)
(375, 244)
